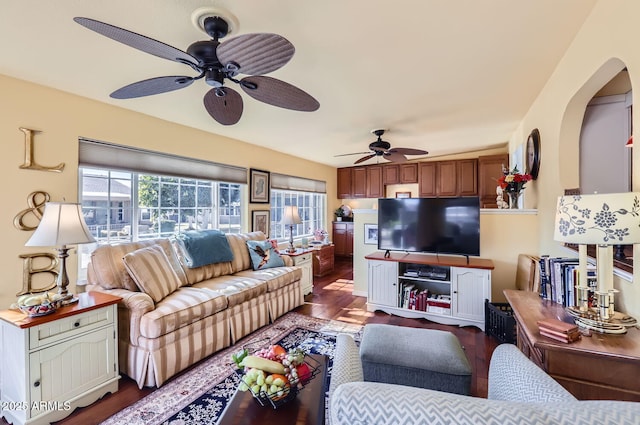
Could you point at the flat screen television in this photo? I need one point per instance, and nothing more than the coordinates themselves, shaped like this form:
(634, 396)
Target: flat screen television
(433, 225)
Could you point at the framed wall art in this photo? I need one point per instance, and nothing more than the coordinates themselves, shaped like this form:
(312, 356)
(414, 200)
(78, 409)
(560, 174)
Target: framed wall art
(259, 186)
(371, 234)
(260, 221)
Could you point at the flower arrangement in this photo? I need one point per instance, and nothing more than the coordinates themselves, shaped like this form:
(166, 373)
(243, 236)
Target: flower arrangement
(513, 181)
(320, 234)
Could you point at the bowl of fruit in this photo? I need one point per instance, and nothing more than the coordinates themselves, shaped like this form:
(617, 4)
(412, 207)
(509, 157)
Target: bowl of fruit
(273, 374)
(41, 304)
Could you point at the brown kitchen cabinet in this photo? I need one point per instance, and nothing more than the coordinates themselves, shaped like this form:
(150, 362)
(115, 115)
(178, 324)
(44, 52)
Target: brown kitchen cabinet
(489, 171)
(359, 182)
(343, 238)
(400, 173)
(408, 173)
(374, 184)
(435, 178)
(448, 178)
(391, 173)
(467, 170)
(427, 179)
(344, 183)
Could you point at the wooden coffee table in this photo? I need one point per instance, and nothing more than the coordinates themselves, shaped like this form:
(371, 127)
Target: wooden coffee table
(306, 408)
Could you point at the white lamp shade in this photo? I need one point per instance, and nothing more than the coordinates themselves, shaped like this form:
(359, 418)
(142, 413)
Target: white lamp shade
(291, 215)
(62, 224)
(600, 219)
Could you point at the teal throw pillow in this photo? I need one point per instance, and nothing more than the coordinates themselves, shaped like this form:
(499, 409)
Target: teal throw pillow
(263, 256)
(202, 247)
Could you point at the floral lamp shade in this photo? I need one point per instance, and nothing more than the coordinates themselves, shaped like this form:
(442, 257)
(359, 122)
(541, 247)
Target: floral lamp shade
(599, 219)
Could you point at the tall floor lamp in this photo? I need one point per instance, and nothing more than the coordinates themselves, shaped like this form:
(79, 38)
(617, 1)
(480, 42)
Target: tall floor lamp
(291, 218)
(62, 224)
(603, 220)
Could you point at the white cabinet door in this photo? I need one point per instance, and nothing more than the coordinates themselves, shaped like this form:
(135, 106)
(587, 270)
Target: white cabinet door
(306, 264)
(383, 283)
(65, 370)
(469, 289)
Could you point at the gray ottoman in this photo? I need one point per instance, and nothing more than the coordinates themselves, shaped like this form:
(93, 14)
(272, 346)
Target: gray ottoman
(415, 357)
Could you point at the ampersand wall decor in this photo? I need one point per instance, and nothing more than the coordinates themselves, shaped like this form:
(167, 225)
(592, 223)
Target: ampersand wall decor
(36, 201)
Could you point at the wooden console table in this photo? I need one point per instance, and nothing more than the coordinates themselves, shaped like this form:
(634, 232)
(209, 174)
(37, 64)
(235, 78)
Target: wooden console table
(323, 260)
(600, 366)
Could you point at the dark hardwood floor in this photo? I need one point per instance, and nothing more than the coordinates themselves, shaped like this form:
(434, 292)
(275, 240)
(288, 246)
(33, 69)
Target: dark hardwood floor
(331, 299)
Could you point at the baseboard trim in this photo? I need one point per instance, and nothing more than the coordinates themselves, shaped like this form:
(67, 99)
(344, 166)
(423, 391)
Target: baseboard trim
(359, 293)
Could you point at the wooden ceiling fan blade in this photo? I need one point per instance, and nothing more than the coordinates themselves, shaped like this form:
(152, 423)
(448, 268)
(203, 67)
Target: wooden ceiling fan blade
(138, 41)
(152, 86)
(408, 151)
(395, 157)
(256, 54)
(224, 105)
(354, 153)
(278, 93)
(364, 158)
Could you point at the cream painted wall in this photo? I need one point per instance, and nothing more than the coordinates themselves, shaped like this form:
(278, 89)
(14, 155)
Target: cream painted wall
(605, 45)
(62, 118)
(504, 235)
(360, 250)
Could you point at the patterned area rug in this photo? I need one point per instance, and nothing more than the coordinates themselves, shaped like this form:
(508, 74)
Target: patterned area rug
(199, 396)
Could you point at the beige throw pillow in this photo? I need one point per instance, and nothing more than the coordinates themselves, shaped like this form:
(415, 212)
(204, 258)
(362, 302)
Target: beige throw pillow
(151, 271)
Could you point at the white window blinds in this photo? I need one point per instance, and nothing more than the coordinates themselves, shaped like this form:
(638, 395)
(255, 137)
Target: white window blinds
(93, 153)
(284, 182)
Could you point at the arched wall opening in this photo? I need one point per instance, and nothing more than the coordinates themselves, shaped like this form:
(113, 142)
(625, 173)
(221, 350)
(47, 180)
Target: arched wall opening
(571, 126)
(569, 154)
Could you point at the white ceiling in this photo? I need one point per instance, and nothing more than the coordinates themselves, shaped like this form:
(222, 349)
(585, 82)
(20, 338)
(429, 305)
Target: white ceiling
(446, 76)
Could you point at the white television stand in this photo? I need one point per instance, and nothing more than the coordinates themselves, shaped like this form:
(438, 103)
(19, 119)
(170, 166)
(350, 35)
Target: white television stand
(444, 289)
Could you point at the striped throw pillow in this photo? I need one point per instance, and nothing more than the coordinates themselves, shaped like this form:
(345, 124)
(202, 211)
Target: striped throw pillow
(150, 269)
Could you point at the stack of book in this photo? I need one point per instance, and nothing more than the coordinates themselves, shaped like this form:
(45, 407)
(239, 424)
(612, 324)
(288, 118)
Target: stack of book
(559, 330)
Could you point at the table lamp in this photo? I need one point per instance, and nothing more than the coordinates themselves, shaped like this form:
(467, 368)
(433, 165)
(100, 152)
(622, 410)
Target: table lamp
(62, 224)
(603, 220)
(291, 218)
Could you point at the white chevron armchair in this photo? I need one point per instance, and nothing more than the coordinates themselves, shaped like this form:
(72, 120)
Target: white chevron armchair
(519, 393)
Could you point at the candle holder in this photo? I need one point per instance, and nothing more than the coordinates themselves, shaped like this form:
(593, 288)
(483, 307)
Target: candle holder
(603, 305)
(582, 298)
(612, 294)
(601, 315)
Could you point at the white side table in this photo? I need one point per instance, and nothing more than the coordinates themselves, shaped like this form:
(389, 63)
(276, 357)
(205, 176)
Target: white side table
(303, 258)
(52, 364)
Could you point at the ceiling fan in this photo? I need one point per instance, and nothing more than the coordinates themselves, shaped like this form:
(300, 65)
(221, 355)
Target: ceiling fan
(381, 148)
(250, 54)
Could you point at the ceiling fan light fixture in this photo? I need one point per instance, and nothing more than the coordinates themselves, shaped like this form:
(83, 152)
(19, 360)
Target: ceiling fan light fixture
(214, 78)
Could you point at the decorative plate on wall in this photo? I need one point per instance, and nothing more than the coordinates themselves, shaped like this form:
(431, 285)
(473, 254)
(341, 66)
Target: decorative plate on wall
(533, 153)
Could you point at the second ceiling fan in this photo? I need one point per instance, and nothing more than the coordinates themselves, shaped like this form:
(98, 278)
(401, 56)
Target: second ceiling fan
(382, 148)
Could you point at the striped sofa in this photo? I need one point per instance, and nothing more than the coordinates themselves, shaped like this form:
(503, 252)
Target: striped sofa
(212, 307)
